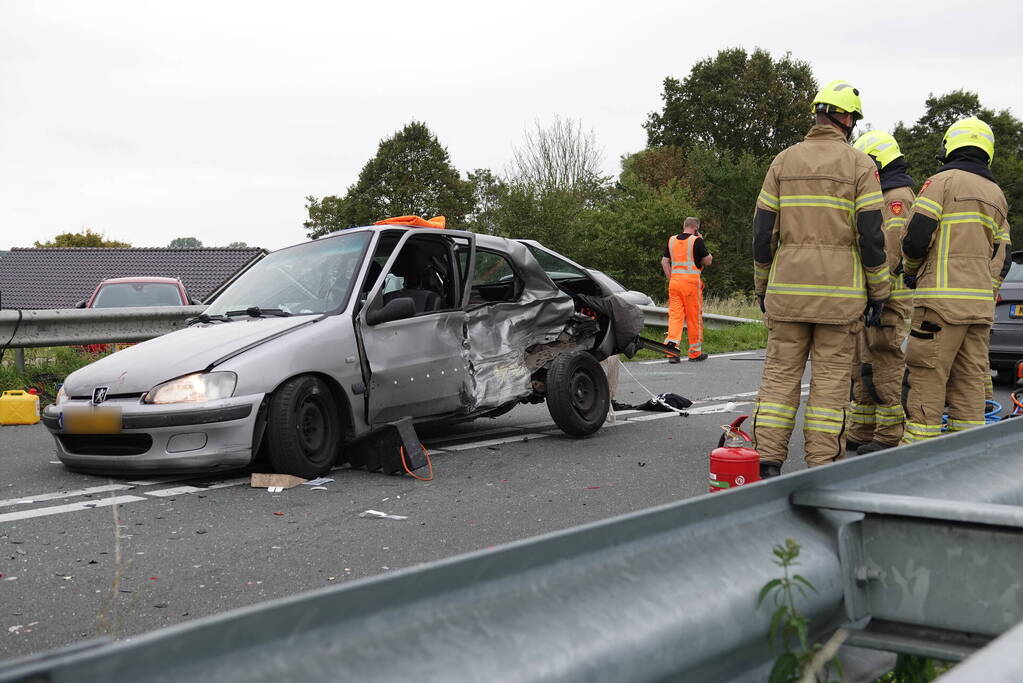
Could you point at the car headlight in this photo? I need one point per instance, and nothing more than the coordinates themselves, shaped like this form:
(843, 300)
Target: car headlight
(194, 388)
(61, 396)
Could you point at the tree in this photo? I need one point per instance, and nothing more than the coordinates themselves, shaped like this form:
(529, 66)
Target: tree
(488, 192)
(921, 145)
(626, 236)
(237, 245)
(410, 174)
(85, 238)
(185, 243)
(562, 157)
(736, 103)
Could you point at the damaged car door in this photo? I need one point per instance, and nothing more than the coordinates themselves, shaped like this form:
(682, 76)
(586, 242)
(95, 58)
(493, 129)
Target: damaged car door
(413, 332)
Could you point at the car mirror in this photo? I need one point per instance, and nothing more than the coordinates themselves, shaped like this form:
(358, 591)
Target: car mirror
(195, 302)
(80, 304)
(395, 309)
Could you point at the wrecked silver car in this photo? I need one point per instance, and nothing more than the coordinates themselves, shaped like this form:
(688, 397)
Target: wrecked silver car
(332, 350)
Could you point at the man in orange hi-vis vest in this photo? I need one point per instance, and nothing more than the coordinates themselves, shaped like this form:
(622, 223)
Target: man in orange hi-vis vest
(685, 257)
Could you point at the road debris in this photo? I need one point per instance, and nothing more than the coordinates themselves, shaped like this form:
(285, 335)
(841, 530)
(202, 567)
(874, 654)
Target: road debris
(376, 514)
(275, 481)
(318, 482)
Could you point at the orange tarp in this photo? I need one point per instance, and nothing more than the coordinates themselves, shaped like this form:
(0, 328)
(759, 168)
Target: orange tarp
(415, 222)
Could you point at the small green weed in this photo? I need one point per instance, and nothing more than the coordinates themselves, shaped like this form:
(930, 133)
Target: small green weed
(789, 627)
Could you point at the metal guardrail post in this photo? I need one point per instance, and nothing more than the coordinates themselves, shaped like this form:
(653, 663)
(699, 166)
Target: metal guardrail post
(19, 360)
(662, 594)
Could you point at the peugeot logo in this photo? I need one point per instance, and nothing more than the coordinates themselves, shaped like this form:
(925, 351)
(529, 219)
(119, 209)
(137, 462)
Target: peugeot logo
(99, 394)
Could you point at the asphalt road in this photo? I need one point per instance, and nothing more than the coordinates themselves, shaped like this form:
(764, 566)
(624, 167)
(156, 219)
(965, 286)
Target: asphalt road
(193, 547)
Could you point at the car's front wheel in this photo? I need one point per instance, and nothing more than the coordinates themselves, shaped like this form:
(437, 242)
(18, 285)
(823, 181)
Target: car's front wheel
(303, 427)
(578, 396)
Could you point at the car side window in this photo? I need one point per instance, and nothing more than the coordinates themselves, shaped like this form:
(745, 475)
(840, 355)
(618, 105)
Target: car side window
(556, 268)
(494, 279)
(424, 271)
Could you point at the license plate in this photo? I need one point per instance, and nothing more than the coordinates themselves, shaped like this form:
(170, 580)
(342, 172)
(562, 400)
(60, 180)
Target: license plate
(91, 420)
(1016, 311)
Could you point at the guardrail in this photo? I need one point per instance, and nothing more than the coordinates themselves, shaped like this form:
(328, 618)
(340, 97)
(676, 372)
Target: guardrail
(915, 549)
(655, 316)
(67, 327)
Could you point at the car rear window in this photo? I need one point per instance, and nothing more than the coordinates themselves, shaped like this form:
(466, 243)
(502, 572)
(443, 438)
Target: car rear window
(137, 294)
(1015, 273)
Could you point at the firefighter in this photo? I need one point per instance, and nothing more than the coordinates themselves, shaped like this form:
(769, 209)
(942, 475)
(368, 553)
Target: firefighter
(879, 363)
(684, 259)
(955, 254)
(819, 270)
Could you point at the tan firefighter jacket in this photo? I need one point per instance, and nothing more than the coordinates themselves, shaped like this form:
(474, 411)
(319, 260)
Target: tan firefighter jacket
(813, 264)
(959, 275)
(897, 203)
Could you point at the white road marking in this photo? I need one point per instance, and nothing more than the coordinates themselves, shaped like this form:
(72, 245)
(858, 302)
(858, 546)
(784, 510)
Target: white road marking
(183, 490)
(495, 442)
(70, 507)
(41, 497)
(713, 355)
(742, 395)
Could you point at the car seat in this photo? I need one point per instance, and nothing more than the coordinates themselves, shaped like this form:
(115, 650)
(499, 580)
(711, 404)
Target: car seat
(414, 266)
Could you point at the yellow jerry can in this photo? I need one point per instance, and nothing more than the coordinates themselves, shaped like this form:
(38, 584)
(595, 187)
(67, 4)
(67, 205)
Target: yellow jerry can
(19, 408)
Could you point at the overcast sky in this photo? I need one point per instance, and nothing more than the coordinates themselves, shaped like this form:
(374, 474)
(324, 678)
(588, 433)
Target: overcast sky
(152, 120)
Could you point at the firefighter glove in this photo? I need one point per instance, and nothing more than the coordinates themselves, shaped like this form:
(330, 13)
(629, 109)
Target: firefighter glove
(760, 300)
(873, 313)
(909, 281)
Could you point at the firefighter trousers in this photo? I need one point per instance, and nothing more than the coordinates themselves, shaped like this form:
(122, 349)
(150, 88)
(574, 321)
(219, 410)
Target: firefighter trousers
(947, 367)
(685, 304)
(830, 349)
(878, 368)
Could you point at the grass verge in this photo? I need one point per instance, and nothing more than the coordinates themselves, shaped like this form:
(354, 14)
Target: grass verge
(45, 369)
(737, 338)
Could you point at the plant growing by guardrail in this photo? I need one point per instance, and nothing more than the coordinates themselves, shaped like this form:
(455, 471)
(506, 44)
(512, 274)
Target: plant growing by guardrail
(789, 631)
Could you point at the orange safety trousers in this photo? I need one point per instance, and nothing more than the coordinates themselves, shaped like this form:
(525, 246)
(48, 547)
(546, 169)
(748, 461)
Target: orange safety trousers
(685, 303)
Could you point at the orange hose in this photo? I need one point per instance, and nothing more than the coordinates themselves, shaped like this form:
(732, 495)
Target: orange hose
(429, 464)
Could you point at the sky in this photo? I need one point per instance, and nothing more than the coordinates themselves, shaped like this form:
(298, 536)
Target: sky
(148, 121)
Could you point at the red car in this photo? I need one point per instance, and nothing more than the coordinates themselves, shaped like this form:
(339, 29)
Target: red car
(121, 292)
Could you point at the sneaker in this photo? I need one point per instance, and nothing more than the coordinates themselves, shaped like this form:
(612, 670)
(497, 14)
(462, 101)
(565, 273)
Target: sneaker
(872, 447)
(702, 356)
(769, 469)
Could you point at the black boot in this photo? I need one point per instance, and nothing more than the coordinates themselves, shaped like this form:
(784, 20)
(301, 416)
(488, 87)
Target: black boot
(872, 447)
(702, 356)
(673, 359)
(851, 447)
(769, 469)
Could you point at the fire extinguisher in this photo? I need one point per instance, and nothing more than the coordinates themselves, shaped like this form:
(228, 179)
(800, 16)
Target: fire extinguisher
(734, 462)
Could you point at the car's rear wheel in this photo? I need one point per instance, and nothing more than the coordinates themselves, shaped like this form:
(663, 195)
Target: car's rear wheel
(303, 427)
(1005, 376)
(578, 395)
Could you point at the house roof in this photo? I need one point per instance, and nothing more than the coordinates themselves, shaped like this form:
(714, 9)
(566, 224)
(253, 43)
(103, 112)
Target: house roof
(32, 278)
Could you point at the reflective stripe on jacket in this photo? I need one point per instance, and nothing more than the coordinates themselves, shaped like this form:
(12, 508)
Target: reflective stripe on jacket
(682, 264)
(817, 188)
(959, 275)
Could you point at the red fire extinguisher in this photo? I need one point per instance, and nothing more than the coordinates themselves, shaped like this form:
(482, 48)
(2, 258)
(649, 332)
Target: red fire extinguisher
(734, 462)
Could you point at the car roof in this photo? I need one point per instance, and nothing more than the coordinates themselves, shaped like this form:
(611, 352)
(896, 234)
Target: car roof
(140, 279)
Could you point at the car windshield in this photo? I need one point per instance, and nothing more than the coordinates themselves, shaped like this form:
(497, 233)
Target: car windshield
(315, 277)
(124, 294)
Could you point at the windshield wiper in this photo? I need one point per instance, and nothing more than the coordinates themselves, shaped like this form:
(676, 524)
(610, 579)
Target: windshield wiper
(257, 312)
(203, 318)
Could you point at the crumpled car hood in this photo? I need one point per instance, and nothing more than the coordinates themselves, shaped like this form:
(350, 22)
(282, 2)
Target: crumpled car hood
(139, 368)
